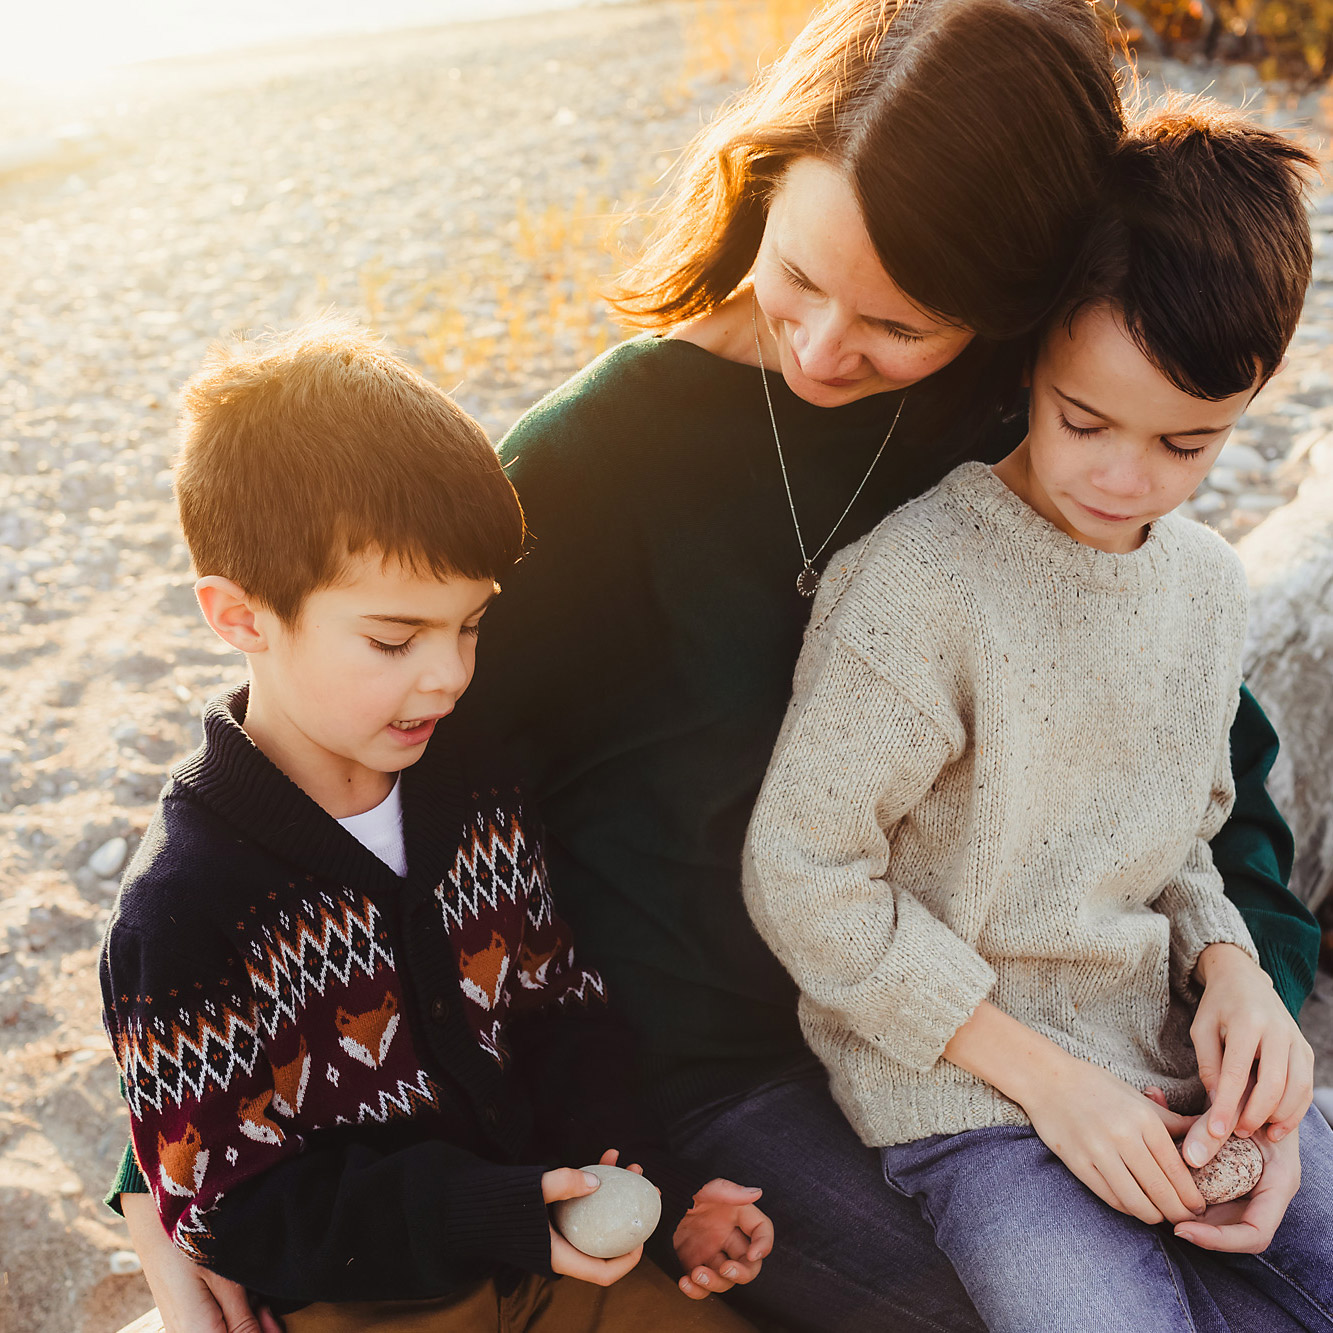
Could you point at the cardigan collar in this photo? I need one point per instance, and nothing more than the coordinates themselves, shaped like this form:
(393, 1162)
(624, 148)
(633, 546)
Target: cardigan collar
(232, 776)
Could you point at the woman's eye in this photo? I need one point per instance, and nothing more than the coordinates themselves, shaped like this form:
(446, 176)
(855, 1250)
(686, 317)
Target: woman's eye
(900, 335)
(1078, 432)
(472, 630)
(392, 649)
(798, 280)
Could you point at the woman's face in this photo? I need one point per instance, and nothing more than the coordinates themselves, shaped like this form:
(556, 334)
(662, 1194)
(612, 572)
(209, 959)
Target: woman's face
(838, 326)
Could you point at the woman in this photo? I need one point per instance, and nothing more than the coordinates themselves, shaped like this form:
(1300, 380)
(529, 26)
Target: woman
(905, 189)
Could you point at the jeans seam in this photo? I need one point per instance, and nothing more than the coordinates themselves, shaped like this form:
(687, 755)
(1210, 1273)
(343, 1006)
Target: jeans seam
(1175, 1284)
(1297, 1287)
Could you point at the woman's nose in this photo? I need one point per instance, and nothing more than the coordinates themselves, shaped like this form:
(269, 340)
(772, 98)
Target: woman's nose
(821, 347)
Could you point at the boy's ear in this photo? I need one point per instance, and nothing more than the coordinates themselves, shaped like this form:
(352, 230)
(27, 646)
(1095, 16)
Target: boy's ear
(230, 615)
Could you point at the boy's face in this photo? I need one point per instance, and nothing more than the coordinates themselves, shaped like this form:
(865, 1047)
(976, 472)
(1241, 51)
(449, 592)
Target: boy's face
(353, 691)
(1112, 444)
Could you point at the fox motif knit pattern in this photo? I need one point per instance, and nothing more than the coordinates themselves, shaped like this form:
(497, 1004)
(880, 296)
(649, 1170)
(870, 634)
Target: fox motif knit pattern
(1003, 760)
(276, 995)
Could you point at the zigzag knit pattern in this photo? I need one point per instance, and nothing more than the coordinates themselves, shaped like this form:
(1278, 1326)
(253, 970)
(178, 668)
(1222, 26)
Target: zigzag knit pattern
(239, 1037)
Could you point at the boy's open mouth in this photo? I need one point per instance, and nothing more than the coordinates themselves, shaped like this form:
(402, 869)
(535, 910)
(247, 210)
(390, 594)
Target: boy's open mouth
(414, 730)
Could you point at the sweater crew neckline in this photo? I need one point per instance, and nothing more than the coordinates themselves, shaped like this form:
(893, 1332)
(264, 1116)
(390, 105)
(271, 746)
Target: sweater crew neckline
(1053, 550)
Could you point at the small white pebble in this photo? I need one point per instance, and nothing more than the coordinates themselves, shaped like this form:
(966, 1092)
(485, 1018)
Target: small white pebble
(125, 1262)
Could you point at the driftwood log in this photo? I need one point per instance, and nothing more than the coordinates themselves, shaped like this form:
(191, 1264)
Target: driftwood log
(1289, 663)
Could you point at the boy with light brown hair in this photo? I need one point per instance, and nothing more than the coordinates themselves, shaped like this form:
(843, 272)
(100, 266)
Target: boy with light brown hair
(356, 1041)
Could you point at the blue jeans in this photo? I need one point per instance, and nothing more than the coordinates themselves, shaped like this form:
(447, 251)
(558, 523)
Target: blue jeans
(849, 1255)
(1037, 1251)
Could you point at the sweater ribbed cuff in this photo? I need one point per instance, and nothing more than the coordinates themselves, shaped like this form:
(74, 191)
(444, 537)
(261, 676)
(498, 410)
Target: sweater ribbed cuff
(931, 988)
(1198, 920)
(128, 1180)
(505, 1219)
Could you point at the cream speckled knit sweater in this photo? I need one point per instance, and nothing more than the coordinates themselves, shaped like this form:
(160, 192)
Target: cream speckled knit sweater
(1003, 760)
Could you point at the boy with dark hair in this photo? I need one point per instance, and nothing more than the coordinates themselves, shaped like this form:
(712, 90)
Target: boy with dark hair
(348, 1018)
(982, 846)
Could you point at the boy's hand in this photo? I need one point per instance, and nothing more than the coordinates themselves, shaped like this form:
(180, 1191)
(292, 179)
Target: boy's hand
(570, 1183)
(723, 1240)
(1115, 1140)
(1240, 1022)
(1246, 1226)
(190, 1298)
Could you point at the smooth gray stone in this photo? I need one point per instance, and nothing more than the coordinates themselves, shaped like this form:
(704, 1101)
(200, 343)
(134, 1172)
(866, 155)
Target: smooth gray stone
(621, 1214)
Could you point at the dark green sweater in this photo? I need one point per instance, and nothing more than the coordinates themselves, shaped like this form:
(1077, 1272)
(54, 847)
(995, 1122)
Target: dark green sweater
(640, 662)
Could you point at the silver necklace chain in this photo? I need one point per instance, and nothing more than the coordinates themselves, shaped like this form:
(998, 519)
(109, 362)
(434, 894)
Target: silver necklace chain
(807, 581)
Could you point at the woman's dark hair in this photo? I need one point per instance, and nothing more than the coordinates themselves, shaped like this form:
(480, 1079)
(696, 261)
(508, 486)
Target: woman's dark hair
(1202, 246)
(974, 133)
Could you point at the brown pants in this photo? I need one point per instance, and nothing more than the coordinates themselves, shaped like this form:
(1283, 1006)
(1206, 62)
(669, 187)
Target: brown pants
(643, 1301)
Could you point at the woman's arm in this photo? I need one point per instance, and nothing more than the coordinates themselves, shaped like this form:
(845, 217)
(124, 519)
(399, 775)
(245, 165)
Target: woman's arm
(1253, 853)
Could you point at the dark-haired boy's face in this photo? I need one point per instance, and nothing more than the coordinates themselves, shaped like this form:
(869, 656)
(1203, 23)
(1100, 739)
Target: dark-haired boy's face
(350, 695)
(1112, 444)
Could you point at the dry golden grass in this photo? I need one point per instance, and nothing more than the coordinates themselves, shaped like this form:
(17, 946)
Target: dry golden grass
(531, 309)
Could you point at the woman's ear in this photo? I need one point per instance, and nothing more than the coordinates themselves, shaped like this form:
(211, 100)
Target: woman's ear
(230, 614)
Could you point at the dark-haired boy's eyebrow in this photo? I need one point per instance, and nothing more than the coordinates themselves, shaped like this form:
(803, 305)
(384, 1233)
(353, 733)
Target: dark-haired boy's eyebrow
(1111, 421)
(425, 622)
(909, 329)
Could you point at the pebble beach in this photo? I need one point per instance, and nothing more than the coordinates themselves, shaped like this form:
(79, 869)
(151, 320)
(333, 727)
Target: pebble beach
(454, 187)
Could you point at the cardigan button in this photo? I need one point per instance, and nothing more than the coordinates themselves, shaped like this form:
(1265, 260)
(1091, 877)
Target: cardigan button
(439, 1008)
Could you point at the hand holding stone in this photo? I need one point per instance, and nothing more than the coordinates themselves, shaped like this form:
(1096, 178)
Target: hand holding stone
(613, 1220)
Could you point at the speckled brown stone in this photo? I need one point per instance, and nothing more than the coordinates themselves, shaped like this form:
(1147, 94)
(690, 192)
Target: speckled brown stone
(1234, 1171)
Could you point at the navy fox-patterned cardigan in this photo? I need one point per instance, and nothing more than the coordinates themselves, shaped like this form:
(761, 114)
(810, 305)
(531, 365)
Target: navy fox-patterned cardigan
(343, 1085)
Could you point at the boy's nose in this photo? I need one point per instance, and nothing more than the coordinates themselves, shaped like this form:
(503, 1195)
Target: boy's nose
(1124, 477)
(446, 675)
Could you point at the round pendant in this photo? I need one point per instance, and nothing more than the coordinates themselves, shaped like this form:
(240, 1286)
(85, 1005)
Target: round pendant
(807, 582)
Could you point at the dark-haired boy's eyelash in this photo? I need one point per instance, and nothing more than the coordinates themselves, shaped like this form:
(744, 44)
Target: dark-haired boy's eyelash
(1182, 453)
(392, 649)
(1078, 432)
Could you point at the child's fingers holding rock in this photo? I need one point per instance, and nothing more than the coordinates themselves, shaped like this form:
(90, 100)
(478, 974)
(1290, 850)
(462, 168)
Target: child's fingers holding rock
(567, 1182)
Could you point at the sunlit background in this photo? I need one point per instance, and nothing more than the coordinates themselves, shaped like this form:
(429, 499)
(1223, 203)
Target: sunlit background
(60, 45)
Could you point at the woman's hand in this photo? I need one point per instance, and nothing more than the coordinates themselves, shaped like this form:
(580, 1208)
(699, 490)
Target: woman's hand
(1256, 1066)
(1115, 1140)
(190, 1298)
(723, 1240)
(570, 1183)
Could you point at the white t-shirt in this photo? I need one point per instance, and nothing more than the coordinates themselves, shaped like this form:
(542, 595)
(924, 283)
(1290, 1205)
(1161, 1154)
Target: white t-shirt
(381, 830)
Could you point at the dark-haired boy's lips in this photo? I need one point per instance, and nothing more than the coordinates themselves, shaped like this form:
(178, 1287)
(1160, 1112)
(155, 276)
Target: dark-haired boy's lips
(1110, 518)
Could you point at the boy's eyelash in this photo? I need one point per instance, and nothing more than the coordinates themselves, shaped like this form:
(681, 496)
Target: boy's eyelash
(392, 649)
(1078, 432)
(1182, 453)
(1083, 432)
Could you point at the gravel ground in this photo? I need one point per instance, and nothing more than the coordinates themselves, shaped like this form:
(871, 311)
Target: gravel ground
(451, 186)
